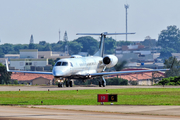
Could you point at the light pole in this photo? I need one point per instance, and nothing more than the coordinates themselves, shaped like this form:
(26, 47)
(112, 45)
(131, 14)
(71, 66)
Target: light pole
(126, 7)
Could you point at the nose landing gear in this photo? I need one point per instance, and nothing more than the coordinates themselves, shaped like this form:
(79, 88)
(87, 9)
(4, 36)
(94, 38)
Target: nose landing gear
(61, 82)
(60, 85)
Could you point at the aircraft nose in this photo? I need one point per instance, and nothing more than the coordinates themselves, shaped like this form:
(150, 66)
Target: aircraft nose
(57, 73)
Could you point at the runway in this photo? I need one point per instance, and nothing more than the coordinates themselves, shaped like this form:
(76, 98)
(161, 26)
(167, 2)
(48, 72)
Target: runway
(84, 112)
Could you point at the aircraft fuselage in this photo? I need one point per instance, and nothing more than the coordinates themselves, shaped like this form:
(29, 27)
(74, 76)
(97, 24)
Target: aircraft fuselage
(76, 67)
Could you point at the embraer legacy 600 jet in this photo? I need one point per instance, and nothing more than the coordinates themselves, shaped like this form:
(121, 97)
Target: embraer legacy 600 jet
(82, 68)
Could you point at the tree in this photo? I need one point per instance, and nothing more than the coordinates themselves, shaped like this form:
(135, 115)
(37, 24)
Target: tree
(6, 48)
(32, 46)
(89, 44)
(119, 66)
(1, 53)
(164, 81)
(120, 43)
(166, 52)
(47, 47)
(17, 47)
(42, 42)
(116, 81)
(174, 66)
(170, 81)
(4, 75)
(170, 39)
(74, 47)
(58, 47)
(51, 62)
(110, 45)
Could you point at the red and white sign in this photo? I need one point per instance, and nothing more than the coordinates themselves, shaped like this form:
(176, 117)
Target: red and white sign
(102, 97)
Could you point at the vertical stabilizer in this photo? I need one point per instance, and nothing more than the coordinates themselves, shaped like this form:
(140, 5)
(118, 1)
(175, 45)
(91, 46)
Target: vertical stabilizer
(100, 52)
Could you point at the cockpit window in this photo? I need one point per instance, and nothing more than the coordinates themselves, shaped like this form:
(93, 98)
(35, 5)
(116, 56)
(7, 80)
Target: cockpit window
(58, 64)
(65, 64)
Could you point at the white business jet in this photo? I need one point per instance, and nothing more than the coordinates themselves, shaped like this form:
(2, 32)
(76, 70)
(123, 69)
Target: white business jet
(82, 68)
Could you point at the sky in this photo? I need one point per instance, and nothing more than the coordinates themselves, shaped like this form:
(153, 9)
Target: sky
(19, 19)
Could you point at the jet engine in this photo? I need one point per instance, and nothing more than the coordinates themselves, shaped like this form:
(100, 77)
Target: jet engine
(110, 60)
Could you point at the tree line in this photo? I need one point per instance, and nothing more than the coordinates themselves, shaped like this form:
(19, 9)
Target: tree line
(95, 81)
(169, 40)
(82, 44)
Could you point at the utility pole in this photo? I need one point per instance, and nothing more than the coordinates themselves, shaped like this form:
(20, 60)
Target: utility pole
(126, 7)
(66, 40)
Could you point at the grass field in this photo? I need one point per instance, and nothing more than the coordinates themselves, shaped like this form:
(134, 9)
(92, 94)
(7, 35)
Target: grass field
(131, 96)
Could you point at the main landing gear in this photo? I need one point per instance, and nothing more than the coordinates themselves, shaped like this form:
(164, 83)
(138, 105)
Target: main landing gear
(69, 83)
(102, 82)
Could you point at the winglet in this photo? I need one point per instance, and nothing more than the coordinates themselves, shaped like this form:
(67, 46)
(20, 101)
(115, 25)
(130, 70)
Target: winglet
(7, 68)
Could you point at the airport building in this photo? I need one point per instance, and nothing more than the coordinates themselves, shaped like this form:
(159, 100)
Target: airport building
(32, 59)
(26, 63)
(28, 58)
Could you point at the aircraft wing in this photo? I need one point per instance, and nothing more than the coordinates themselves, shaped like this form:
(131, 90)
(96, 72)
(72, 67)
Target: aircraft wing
(33, 72)
(126, 72)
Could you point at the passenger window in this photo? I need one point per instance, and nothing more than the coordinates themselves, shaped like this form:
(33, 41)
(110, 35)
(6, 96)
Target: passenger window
(58, 64)
(65, 64)
(71, 64)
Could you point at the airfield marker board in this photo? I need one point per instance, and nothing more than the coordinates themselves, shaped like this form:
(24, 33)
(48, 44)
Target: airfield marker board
(107, 97)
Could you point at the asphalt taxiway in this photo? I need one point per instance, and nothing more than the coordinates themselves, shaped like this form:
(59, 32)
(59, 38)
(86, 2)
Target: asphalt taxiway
(66, 112)
(55, 88)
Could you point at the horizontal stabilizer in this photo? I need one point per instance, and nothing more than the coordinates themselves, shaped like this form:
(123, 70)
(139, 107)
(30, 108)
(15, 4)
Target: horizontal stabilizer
(118, 33)
(104, 33)
(88, 34)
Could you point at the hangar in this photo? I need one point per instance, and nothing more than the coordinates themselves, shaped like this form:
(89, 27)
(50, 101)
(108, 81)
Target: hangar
(32, 79)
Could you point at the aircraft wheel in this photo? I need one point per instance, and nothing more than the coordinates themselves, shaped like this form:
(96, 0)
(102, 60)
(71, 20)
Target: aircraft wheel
(60, 85)
(67, 84)
(70, 82)
(103, 84)
(99, 84)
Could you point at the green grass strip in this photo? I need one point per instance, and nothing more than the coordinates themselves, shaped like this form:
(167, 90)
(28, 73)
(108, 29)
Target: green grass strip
(131, 96)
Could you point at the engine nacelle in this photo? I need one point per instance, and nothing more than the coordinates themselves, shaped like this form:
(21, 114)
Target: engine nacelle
(110, 60)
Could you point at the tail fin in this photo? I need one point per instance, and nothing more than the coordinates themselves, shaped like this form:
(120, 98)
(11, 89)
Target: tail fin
(100, 52)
